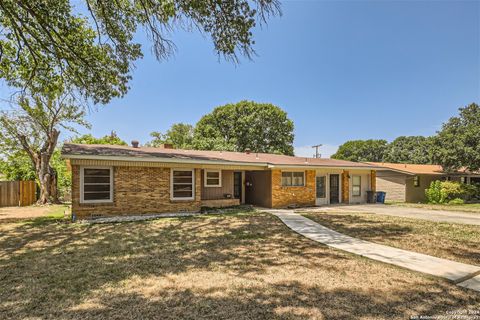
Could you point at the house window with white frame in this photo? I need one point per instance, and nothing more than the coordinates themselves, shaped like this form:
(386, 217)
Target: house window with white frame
(212, 178)
(182, 184)
(96, 184)
(293, 178)
(356, 186)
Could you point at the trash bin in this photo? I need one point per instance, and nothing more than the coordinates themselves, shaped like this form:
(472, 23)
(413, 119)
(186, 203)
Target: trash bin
(381, 196)
(371, 197)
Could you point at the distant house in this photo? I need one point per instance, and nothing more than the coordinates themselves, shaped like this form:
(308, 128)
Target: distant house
(407, 182)
(117, 180)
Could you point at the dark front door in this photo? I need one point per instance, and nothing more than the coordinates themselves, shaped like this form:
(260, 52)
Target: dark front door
(237, 185)
(334, 188)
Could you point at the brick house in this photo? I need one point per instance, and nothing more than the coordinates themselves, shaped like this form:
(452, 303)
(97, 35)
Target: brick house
(118, 180)
(407, 182)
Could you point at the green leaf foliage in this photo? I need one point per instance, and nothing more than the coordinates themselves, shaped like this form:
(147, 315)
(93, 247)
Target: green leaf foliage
(362, 150)
(441, 192)
(412, 149)
(179, 134)
(457, 144)
(94, 53)
(261, 127)
(112, 138)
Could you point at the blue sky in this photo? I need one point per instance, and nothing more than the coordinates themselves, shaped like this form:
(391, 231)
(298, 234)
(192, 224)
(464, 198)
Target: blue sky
(342, 70)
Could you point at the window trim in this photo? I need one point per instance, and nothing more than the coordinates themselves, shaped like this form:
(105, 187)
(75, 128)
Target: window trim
(219, 185)
(171, 185)
(417, 179)
(82, 191)
(292, 186)
(359, 186)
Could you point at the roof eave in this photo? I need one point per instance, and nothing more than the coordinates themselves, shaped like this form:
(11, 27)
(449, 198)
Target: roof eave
(219, 162)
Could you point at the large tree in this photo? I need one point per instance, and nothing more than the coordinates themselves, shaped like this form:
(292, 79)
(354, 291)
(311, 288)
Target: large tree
(409, 149)
(99, 48)
(58, 59)
(33, 126)
(457, 144)
(261, 127)
(179, 134)
(362, 150)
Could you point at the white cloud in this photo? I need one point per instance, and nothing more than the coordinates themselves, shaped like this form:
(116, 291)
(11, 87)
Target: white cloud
(307, 151)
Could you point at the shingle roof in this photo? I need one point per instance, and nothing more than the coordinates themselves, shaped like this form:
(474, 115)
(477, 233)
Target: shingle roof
(434, 169)
(86, 151)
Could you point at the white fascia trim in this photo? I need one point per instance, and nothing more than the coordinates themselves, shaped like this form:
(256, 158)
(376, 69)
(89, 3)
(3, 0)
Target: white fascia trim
(165, 160)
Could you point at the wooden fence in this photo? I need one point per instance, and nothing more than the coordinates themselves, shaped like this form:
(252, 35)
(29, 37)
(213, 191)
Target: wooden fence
(17, 193)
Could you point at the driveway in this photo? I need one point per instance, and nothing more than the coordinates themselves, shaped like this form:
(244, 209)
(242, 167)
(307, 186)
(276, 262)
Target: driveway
(416, 213)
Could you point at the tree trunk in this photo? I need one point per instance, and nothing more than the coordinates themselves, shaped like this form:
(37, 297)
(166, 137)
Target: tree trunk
(48, 184)
(44, 179)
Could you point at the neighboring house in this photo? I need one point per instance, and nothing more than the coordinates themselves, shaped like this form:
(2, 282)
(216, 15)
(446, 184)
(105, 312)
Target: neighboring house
(407, 182)
(116, 180)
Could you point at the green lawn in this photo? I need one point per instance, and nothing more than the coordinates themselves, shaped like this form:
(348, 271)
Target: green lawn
(468, 207)
(457, 242)
(240, 266)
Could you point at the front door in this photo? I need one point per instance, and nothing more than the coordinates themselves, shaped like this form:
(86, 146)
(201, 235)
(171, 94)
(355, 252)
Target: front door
(237, 185)
(334, 188)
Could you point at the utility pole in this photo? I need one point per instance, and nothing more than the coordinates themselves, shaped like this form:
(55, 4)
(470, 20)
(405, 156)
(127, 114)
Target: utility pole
(317, 154)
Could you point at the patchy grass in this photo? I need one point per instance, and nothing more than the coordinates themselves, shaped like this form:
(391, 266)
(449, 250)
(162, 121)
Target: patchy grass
(451, 241)
(34, 214)
(245, 266)
(467, 207)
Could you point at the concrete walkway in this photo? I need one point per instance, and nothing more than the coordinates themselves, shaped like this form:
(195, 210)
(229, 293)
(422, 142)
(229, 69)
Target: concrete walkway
(408, 212)
(462, 274)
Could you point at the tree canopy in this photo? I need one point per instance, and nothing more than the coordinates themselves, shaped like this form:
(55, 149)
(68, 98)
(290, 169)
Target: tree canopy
(94, 53)
(457, 144)
(112, 138)
(179, 134)
(261, 127)
(362, 150)
(409, 149)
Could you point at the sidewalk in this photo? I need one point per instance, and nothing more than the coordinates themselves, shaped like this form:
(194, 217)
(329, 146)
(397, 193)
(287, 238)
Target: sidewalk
(462, 274)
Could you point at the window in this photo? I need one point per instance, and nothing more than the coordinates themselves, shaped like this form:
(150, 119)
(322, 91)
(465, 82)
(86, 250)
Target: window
(416, 181)
(293, 179)
(356, 186)
(212, 178)
(182, 187)
(96, 185)
(321, 191)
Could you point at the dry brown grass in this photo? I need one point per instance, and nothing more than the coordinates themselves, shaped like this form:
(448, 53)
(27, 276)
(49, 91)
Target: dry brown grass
(458, 242)
(466, 208)
(245, 266)
(12, 214)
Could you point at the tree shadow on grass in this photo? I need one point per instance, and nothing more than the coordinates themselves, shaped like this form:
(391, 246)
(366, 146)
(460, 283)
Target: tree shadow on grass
(285, 300)
(48, 270)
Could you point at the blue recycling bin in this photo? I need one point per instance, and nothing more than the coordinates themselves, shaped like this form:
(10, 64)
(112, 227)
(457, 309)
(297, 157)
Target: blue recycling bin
(381, 196)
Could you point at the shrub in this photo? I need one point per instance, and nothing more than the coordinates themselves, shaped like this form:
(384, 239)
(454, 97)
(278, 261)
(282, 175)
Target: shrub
(456, 201)
(471, 192)
(450, 191)
(434, 192)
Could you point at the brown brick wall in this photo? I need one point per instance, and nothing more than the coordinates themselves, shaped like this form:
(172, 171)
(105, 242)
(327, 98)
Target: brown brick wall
(285, 196)
(137, 190)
